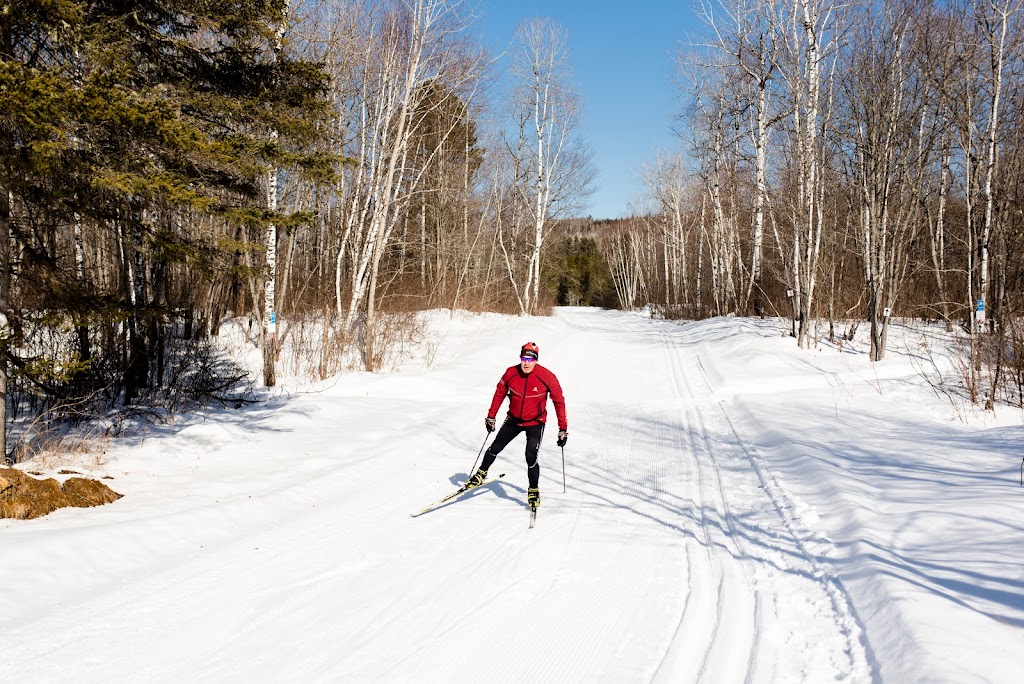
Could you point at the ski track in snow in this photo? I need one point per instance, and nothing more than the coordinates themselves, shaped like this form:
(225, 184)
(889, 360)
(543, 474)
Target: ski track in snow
(772, 600)
(674, 555)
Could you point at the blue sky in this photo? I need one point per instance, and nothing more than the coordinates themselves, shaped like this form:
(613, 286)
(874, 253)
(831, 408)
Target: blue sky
(622, 61)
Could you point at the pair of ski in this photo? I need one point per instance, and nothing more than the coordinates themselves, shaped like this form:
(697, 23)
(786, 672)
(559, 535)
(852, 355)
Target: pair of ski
(463, 490)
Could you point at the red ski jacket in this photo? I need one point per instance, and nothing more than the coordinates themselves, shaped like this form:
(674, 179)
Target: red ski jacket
(528, 396)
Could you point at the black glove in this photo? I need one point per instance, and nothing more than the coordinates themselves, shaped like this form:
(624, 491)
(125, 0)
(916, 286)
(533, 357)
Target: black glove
(489, 424)
(563, 437)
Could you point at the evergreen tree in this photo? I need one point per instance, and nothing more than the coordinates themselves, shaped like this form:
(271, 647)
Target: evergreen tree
(126, 123)
(579, 275)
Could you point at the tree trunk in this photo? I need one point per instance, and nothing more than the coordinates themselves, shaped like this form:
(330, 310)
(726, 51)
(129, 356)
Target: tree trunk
(997, 47)
(755, 288)
(137, 366)
(269, 312)
(84, 350)
(5, 263)
(269, 341)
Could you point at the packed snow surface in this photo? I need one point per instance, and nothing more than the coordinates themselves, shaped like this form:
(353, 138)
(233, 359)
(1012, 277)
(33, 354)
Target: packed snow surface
(735, 509)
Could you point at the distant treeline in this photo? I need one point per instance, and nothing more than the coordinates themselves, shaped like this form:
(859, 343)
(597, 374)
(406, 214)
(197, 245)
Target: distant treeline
(166, 165)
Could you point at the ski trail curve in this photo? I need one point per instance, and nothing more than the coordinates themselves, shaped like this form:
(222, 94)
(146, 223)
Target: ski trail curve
(754, 603)
(785, 611)
(861, 656)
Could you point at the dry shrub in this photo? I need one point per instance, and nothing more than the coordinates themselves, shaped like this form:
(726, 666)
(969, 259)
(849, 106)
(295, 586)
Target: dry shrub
(300, 344)
(52, 442)
(943, 361)
(396, 338)
(314, 348)
(675, 312)
(1013, 363)
(332, 350)
(973, 369)
(201, 375)
(501, 305)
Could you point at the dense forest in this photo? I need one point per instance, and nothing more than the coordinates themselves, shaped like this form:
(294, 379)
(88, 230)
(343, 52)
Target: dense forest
(168, 166)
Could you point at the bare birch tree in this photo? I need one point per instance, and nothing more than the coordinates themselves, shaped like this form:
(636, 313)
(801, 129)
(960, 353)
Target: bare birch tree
(623, 248)
(547, 110)
(667, 182)
(405, 44)
(942, 67)
(893, 137)
(807, 60)
(994, 18)
(270, 283)
(744, 43)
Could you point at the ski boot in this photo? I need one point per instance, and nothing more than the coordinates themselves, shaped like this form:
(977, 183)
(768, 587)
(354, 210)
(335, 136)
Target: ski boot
(533, 498)
(478, 479)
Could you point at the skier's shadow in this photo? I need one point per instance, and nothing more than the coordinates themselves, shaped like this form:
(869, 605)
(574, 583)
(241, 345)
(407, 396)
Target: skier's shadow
(497, 487)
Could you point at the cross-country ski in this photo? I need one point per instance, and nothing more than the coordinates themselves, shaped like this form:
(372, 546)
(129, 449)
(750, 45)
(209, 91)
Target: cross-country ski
(456, 494)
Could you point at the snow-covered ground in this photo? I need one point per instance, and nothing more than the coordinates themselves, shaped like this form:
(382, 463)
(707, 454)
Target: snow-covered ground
(736, 509)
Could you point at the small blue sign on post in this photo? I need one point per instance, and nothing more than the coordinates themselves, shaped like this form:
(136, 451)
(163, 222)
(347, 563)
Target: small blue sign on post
(980, 313)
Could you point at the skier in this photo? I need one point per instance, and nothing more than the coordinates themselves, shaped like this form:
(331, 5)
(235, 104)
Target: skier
(527, 386)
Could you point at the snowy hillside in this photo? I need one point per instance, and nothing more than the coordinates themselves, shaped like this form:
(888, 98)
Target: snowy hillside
(736, 509)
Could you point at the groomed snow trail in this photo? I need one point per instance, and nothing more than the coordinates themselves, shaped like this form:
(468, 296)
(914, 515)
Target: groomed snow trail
(673, 556)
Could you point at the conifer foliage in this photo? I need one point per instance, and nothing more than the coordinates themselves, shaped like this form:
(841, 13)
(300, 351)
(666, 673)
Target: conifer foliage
(135, 139)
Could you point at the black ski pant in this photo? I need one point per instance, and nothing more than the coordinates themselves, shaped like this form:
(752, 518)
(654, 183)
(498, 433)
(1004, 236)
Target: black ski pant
(509, 431)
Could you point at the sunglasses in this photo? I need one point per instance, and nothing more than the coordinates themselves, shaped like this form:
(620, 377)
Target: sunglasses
(527, 359)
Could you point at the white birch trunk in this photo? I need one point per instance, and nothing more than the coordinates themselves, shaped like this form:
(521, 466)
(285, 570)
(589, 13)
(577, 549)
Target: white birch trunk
(270, 241)
(997, 47)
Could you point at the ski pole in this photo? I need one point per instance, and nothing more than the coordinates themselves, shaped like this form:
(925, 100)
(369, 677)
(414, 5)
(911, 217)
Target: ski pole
(486, 437)
(563, 470)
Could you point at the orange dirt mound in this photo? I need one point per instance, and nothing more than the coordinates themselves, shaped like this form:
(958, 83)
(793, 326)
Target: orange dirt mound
(24, 497)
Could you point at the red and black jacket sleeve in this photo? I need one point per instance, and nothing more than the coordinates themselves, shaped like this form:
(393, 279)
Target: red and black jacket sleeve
(500, 392)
